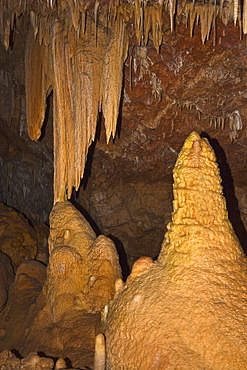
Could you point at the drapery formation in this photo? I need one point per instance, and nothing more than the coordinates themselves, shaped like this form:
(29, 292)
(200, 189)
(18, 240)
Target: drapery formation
(77, 49)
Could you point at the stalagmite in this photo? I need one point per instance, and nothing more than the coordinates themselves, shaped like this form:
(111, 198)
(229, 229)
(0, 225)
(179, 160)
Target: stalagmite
(99, 356)
(80, 264)
(173, 312)
(200, 224)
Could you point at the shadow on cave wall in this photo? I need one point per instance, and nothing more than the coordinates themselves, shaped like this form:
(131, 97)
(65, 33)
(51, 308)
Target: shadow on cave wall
(90, 155)
(229, 191)
(122, 256)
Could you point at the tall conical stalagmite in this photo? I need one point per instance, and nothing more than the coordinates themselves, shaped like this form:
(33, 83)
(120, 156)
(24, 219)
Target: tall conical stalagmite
(200, 232)
(188, 310)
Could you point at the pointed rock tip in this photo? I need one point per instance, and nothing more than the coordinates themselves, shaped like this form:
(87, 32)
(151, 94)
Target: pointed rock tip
(196, 145)
(194, 136)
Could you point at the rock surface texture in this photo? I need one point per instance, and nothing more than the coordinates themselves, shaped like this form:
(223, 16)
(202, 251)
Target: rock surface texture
(188, 310)
(56, 310)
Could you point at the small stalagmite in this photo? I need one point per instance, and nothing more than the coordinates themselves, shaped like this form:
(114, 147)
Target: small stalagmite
(82, 267)
(188, 310)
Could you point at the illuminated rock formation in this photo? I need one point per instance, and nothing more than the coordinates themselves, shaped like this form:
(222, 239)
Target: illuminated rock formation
(59, 314)
(188, 309)
(82, 268)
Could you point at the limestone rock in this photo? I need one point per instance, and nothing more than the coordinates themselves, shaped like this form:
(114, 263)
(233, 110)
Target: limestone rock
(17, 238)
(188, 309)
(82, 268)
(56, 310)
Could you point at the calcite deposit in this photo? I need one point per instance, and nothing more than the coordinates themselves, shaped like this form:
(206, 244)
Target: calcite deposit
(82, 268)
(56, 310)
(187, 310)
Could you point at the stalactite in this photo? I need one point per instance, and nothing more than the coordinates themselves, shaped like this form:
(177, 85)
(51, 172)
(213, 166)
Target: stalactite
(37, 82)
(205, 13)
(113, 74)
(245, 17)
(87, 76)
(172, 10)
(153, 24)
(6, 21)
(138, 4)
(235, 11)
(61, 112)
(75, 14)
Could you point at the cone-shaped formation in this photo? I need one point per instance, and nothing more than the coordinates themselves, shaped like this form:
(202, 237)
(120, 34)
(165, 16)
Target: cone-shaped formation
(200, 229)
(188, 309)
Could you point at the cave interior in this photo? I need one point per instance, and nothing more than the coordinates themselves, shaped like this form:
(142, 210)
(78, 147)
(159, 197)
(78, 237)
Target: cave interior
(96, 100)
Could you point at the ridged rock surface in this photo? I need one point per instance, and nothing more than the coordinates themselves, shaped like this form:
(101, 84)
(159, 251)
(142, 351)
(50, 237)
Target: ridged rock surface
(188, 310)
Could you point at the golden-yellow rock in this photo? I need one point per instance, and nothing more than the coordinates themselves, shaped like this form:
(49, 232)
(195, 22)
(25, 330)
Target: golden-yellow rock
(59, 314)
(82, 268)
(188, 310)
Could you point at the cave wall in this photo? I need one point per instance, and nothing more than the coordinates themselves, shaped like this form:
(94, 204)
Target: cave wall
(26, 167)
(126, 191)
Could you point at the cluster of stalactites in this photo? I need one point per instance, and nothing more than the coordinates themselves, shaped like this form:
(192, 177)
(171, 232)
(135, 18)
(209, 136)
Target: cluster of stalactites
(77, 48)
(80, 57)
(205, 13)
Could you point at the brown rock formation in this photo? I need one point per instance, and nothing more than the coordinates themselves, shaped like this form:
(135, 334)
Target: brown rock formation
(188, 309)
(17, 238)
(6, 278)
